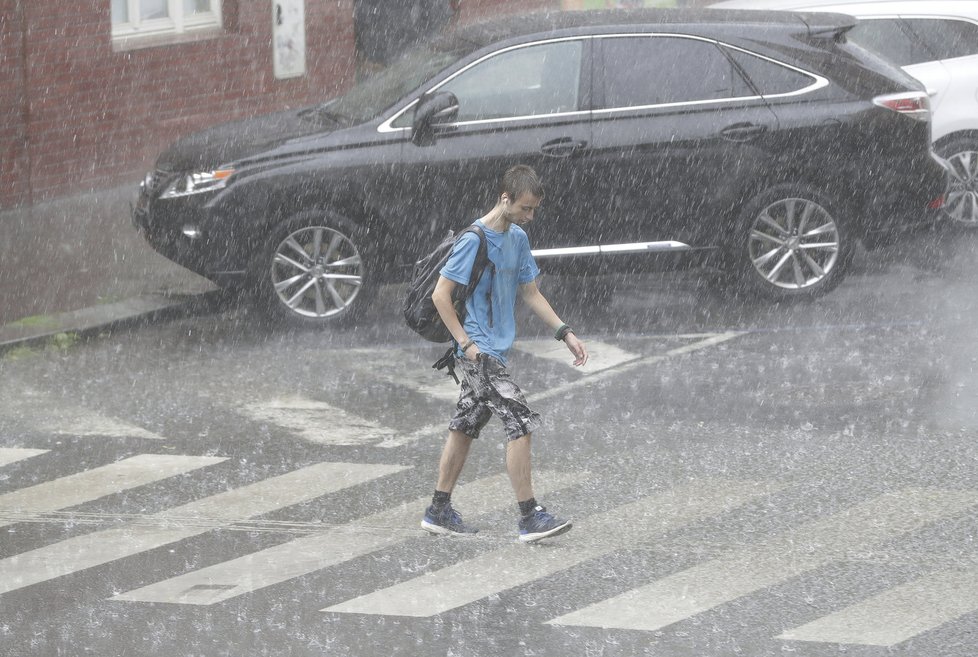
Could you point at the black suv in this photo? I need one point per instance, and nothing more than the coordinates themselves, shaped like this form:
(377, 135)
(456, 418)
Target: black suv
(760, 143)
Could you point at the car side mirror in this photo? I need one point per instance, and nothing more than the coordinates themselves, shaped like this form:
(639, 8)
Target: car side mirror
(432, 109)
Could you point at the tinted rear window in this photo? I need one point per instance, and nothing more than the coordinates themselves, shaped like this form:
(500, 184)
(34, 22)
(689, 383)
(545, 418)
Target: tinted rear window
(641, 71)
(768, 77)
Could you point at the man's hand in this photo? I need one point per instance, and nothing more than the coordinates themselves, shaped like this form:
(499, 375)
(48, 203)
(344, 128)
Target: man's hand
(577, 348)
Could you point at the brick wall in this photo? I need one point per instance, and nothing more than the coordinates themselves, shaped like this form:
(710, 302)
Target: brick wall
(13, 136)
(82, 116)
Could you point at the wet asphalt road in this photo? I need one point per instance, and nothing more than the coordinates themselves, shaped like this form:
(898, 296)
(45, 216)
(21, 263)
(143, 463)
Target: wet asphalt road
(744, 480)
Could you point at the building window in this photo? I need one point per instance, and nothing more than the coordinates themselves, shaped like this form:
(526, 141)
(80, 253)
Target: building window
(138, 18)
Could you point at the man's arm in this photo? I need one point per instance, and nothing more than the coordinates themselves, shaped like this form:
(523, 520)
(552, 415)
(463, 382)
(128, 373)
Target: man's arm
(442, 298)
(541, 308)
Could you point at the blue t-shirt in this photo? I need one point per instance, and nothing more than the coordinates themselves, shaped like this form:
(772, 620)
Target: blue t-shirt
(515, 266)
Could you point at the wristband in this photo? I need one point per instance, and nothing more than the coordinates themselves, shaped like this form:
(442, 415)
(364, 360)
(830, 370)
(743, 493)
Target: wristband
(466, 346)
(562, 332)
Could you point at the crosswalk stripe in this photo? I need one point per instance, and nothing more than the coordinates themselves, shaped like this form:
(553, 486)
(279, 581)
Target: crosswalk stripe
(54, 415)
(491, 573)
(805, 548)
(407, 368)
(710, 340)
(10, 455)
(89, 485)
(898, 614)
(601, 355)
(77, 421)
(319, 422)
(178, 523)
(277, 564)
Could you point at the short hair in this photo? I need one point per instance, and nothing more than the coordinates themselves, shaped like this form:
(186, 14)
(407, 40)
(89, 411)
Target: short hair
(519, 180)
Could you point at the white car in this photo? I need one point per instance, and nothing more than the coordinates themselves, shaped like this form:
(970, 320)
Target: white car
(935, 41)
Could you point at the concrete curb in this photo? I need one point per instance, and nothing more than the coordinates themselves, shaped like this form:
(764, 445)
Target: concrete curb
(92, 319)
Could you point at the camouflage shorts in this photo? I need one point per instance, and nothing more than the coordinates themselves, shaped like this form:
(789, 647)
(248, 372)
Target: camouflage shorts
(487, 388)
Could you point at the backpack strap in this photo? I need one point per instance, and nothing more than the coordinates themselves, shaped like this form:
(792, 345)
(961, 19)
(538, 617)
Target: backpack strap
(479, 266)
(482, 261)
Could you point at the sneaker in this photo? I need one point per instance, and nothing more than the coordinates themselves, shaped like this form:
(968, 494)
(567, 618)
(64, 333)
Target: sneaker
(445, 521)
(541, 524)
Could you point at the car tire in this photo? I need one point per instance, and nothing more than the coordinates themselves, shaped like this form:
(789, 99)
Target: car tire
(961, 205)
(794, 244)
(315, 269)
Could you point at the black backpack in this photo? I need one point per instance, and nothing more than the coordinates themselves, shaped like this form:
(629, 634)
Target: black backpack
(419, 310)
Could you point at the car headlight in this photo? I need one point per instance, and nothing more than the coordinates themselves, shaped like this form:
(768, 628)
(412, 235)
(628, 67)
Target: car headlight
(198, 183)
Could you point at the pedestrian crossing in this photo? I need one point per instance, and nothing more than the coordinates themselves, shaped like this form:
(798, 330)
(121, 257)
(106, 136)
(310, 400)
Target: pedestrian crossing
(494, 572)
(68, 419)
(318, 422)
(76, 489)
(899, 614)
(10, 455)
(490, 566)
(735, 575)
(181, 522)
(332, 546)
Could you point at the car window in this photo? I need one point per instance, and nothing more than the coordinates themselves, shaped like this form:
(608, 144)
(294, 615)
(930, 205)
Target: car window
(658, 70)
(885, 37)
(533, 80)
(946, 38)
(770, 78)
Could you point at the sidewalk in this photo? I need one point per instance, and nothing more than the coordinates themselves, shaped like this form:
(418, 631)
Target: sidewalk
(76, 264)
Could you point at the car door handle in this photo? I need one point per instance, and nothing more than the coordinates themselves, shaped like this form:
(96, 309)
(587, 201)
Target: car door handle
(743, 131)
(563, 147)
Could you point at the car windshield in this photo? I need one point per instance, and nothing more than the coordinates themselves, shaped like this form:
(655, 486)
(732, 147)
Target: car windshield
(368, 98)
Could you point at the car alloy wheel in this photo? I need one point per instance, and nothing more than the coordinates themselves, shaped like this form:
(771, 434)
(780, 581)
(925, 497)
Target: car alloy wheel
(317, 272)
(794, 244)
(962, 196)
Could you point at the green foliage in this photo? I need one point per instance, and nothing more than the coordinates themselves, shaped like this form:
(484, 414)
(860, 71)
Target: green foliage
(56, 343)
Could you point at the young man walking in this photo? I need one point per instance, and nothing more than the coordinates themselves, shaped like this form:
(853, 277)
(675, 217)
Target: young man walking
(483, 342)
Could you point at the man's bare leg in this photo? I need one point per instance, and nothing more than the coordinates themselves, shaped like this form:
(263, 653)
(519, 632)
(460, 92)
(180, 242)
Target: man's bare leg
(453, 457)
(518, 467)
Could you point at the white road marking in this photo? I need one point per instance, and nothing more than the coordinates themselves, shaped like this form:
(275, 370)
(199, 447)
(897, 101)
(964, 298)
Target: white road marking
(10, 455)
(53, 415)
(601, 355)
(76, 421)
(702, 342)
(338, 544)
(443, 388)
(810, 546)
(97, 548)
(406, 368)
(898, 614)
(436, 592)
(319, 422)
(72, 490)
(711, 341)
